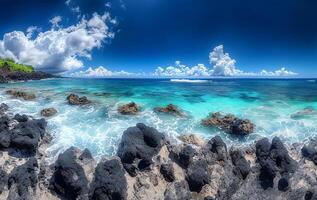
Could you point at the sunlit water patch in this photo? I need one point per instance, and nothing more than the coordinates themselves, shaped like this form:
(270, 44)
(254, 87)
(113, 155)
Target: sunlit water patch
(270, 104)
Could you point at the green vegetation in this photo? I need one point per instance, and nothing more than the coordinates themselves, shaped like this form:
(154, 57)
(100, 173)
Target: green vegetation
(13, 66)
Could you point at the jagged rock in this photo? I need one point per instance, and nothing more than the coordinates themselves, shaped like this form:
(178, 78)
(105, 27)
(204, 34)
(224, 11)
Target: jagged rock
(192, 139)
(177, 191)
(167, 171)
(186, 155)
(69, 179)
(21, 94)
(139, 144)
(109, 181)
(310, 151)
(3, 180)
(48, 112)
(3, 108)
(129, 109)
(27, 134)
(169, 109)
(229, 123)
(74, 99)
(22, 181)
(21, 118)
(197, 175)
(283, 184)
(273, 158)
(218, 147)
(242, 166)
(5, 139)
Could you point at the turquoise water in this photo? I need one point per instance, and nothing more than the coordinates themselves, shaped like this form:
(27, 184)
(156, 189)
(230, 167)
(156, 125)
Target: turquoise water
(268, 103)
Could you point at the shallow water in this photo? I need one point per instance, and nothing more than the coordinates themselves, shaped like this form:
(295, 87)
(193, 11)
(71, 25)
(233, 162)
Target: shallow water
(98, 127)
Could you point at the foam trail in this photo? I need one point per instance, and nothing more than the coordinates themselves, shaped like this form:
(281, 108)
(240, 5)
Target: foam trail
(189, 80)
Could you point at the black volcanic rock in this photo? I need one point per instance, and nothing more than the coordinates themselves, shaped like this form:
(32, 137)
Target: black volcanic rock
(310, 151)
(22, 180)
(197, 175)
(109, 181)
(167, 171)
(3, 180)
(242, 166)
(69, 179)
(139, 144)
(177, 191)
(218, 147)
(3, 108)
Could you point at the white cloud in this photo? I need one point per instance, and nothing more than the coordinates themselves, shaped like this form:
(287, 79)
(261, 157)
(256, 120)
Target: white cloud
(222, 65)
(58, 49)
(100, 72)
(180, 70)
(67, 2)
(280, 72)
(55, 21)
(75, 9)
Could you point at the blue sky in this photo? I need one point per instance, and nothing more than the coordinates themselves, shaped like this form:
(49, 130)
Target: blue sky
(140, 36)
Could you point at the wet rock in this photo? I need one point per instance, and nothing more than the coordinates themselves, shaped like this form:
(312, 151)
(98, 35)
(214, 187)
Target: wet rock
(4, 123)
(129, 109)
(139, 144)
(192, 139)
(197, 175)
(74, 99)
(3, 180)
(22, 181)
(27, 134)
(3, 108)
(48, 112)
(229, 123)
(218, 147)
(306, 112)
(167, 171)
(169, 109)
(21, 94)
(242, 166)
(177, 191)
(310, 151)
(69, 179)
(109, 181)
(21, 118)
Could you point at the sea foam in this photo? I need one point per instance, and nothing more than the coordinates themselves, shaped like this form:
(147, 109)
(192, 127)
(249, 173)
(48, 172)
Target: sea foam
(189, 80)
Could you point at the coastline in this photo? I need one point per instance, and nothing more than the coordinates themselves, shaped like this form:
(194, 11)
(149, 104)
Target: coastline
(149, 166)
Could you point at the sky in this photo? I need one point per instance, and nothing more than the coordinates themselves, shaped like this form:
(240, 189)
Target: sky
(162, 38)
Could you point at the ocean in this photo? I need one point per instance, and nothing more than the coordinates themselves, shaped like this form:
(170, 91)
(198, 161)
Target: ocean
(271, 104)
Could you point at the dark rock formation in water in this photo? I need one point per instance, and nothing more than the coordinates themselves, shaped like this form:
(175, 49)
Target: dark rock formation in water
(151, 167)
(169, 109)
(48, 112)
(229, 123)
(129, 109)
(74, 99)
(21, 94)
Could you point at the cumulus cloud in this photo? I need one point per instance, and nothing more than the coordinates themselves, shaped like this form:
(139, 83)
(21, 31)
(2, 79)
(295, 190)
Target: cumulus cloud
(180, 70)
(58, 49)
(222, 65)
(100, 72)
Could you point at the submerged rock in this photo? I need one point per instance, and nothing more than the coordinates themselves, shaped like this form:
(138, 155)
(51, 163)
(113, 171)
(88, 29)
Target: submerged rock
(229, 123)
(169, 109)
(48, 112)
(109, 181)
(138, 145)
(74, 99)
(21, 94)
(129, 109)
(306, 112)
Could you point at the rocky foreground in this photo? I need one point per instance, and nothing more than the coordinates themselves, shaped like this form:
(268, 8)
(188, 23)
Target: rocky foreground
(149, 166)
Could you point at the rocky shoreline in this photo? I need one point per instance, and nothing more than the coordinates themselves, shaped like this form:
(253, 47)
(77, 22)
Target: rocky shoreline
(148, 166)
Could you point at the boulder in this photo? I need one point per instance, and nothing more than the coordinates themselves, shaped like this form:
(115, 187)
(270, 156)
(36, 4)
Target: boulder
(48, 112)
(74, 99)
(309, 151)
(169, 109)
(217, 146)
(22, 181)
(185, 156)
(3, 108)
(26, 135)
(242, 167)
(177, 191)
(5, 138)
(69, 179)
(138, 145)
(21, 94)
(129, 109)
(230, 124)
(167, 171)
(197, 175)
(3, 180)
(109, 181)
(283, 184)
